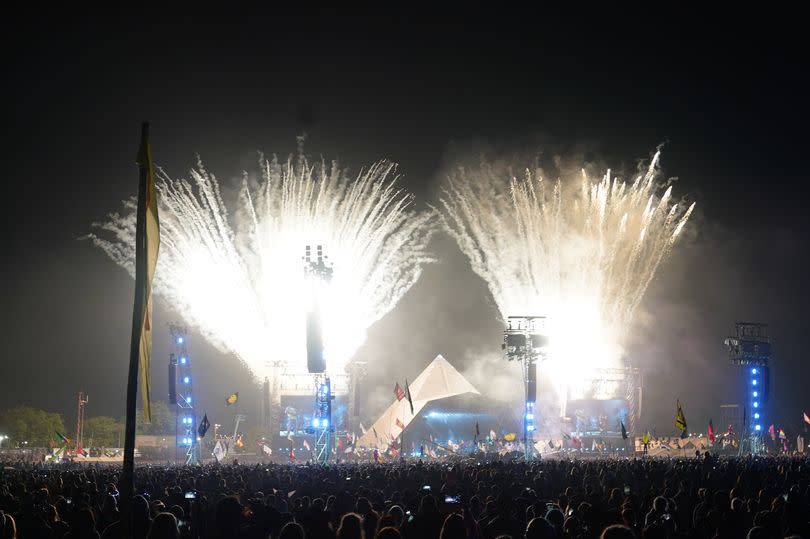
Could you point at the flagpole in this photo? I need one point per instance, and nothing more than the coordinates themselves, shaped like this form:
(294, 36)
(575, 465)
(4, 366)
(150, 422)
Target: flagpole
(127, 474)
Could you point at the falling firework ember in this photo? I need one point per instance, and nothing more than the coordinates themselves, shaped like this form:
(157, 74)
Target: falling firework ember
(239, 277)
(581, 253)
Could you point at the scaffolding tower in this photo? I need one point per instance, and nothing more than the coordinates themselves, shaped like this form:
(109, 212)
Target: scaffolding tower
(185, 414)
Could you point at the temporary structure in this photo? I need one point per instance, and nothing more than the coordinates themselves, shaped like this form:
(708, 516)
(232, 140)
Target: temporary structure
(439, 380)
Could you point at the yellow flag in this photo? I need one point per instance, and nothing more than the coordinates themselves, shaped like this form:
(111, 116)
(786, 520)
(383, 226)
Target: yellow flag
(680, 418)
(232, 399)
(147, 246)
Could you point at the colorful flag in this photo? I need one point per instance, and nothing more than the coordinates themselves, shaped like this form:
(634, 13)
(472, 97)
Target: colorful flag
(730, 430)
(233, 398)
(400, 424)
(292, 454)
(711, 431)
(408, 395)
(624, 431)
(399, 392)
(680, 420)
(772, 432)
(204, 426)
(306, 445)
(267, 450)
(806, 417)
(147, 245)
(240, 443)
(645, 438)
(782, 435)
(510, 437)
(62, 438)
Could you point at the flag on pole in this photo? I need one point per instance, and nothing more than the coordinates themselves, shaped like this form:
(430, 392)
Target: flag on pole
(219, 452)
(399, 392)
(477, 430)
(550, 444)
(624, 431)
(645, 438)
(204, 426)
(400, 424)
(492, 435)
(267, 450)
(772, 432)
(233, 398)
(362, 429)
(147, 244)
(806, 417)
(408, 395)
(306, 445)
(376, 456)
(710, 431)
(62, 438)
(566, 436)
(782, 435)
(680, 420)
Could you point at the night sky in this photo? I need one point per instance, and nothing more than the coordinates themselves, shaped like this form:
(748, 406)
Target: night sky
(728, 99)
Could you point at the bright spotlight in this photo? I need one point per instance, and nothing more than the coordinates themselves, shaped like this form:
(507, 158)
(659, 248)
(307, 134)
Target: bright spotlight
(179, 340)
(754, 382)
(753, 371)
(529, 416)
(315, 423)
(758, 427)
(756, 394)
(756, 404)
(756, 415)
(183, 360)
(186, 380)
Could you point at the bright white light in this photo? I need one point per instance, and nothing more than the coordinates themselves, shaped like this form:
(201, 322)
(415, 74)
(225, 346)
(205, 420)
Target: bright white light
(183, 360)
(756, 415)
(754, 382)
(235, 269)
(758, 427)
(186, 380)
(580, 252)
(179, 340)
(753, 371)
(756, 393)
(756, 404)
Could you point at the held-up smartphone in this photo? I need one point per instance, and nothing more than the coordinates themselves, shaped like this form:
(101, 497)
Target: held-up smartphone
(426, 488)
(626, 490)
(191, 495)
(451, 499)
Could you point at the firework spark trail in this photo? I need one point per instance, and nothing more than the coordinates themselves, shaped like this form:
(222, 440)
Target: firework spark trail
(238, 277)
(581, 253)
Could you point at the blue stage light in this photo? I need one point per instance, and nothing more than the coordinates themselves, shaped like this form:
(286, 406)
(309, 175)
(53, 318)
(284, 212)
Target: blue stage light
(315, 423)
(186, 380)
(756, 394)
(188, 400)
(756, 415)
(179, 340)
(754, 382)
(324, 422)
(753, 371)
(756, 404)
(530, 428)
(529, 416)
(758, 427)
(183, 360)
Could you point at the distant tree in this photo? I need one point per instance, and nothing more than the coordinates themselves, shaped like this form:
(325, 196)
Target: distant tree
(102, 431)
(163, 420)
(27, 426)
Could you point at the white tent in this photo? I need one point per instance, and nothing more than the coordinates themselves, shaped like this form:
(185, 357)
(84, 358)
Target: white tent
(439, 380)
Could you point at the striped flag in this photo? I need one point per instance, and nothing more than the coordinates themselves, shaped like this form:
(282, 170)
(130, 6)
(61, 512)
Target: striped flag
(399, 392)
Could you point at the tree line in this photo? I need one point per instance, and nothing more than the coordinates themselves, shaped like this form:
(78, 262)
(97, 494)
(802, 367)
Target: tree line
(26, 426)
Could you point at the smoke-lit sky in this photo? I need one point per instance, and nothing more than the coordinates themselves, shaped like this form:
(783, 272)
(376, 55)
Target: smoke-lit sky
(423, 90)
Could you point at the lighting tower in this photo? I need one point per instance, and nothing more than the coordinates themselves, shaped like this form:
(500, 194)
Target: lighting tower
(82, 401)
(751, 349)
(318, 271)
(185, 416)
(524, 341)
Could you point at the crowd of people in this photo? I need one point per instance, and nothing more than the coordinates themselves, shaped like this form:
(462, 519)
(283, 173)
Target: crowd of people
(706, 497)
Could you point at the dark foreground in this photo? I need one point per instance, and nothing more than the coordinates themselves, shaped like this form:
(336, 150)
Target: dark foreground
(703, 498)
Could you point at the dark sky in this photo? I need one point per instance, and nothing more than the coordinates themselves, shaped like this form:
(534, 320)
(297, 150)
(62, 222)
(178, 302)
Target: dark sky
(727, 97)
